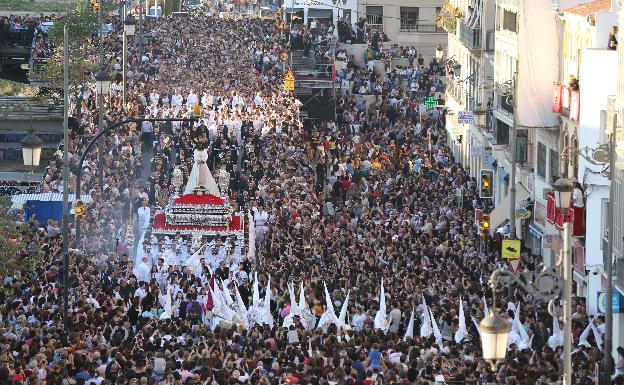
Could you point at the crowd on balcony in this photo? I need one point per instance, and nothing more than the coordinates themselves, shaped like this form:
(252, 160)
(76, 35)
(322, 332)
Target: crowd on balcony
(343, 207)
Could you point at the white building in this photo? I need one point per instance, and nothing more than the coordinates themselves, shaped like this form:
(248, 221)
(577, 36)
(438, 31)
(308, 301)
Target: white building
(321, 10)
(470, 55)
(405, 22)
(526, 49)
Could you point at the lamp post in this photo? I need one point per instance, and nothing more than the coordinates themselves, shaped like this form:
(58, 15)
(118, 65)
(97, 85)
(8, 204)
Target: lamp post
(31, 150)
(605, 155)
(102, 83)
(129, 29)
(563, 196)
(439, 52)
(545, 284)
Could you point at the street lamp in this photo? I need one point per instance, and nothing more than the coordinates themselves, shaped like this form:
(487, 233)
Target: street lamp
(102, 82)
(494, 331)
(563, 188)
(31, 150)
(439, 52)
(544, 284)
(129, 25)
(129, 29)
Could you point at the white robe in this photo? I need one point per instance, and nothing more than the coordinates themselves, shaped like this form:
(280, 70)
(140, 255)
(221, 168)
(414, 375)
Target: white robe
(200, 175)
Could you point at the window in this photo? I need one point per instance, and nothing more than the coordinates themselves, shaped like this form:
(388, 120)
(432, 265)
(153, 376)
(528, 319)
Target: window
(617, 220)
(554, 165)
(508, 21)
(522, 146)
(409, 18)
(604, 223)
(502, 133)
(541, 160)
(374, 15)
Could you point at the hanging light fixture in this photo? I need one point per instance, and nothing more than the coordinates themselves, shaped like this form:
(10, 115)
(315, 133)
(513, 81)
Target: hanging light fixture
(102, 81)
(130, 25)
(494, 333)
(563, 189)
(31, 150)
(439, 52)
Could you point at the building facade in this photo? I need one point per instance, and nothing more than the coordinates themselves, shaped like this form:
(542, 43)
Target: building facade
(405, 22)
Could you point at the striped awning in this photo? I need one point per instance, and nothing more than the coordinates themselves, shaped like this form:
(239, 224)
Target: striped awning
(47, 197)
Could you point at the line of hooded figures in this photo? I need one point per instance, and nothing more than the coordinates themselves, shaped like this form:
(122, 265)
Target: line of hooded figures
(229, 308)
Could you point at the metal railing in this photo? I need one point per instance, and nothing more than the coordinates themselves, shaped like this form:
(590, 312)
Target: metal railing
(470, 37)
(428, 28)
(376, 27)
(456, 90)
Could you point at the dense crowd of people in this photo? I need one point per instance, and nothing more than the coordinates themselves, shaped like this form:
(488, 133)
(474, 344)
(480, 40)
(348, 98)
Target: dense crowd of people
(339, 206)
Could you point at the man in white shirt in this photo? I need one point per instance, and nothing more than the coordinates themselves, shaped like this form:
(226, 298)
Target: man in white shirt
(140, 291)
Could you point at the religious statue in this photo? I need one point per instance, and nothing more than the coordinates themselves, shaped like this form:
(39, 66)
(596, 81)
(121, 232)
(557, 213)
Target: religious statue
(201, 181)
(224, 181)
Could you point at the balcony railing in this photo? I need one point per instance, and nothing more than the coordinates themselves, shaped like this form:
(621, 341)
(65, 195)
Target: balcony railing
(376, 27)
(470, 37)
(429, 28)
(457, 91)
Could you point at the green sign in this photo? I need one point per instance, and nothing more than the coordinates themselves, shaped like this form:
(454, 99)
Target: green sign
(431, 102)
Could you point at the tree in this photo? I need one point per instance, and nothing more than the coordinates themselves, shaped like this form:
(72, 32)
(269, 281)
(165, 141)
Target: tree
(82, 25)
(19, 252)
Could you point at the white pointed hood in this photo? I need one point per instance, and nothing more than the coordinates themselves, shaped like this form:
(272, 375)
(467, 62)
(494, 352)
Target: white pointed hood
(265, 314)
(461, 332)
(302, 302)
(409, 333)
(329, 317)
(343, 313)
(436, 330)
(291, 294)
(381, 318)
(256, 292)
(425, 328)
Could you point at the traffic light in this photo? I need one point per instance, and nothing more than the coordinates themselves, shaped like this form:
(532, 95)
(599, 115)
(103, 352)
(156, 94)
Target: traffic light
(486, 189)
(485, 224)
(95, 6)
(79, 209)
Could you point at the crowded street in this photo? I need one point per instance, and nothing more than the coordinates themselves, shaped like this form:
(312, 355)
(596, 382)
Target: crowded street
(248, 244)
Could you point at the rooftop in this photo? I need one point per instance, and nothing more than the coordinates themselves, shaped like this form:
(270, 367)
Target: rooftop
(587, 9)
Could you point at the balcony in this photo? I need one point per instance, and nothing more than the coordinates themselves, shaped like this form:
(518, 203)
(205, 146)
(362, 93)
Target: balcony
(427, 28)
(457, 91)
(470, 37)
(566, 102)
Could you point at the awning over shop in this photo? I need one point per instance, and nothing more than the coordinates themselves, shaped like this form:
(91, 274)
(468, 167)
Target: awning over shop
(501, 212)
(320, 13)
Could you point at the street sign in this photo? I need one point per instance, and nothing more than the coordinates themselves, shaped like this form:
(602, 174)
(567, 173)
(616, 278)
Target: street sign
(511, 249)
(466, 117)
(289, 81)
(284, 56)
(615, 304)
(514, 264)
